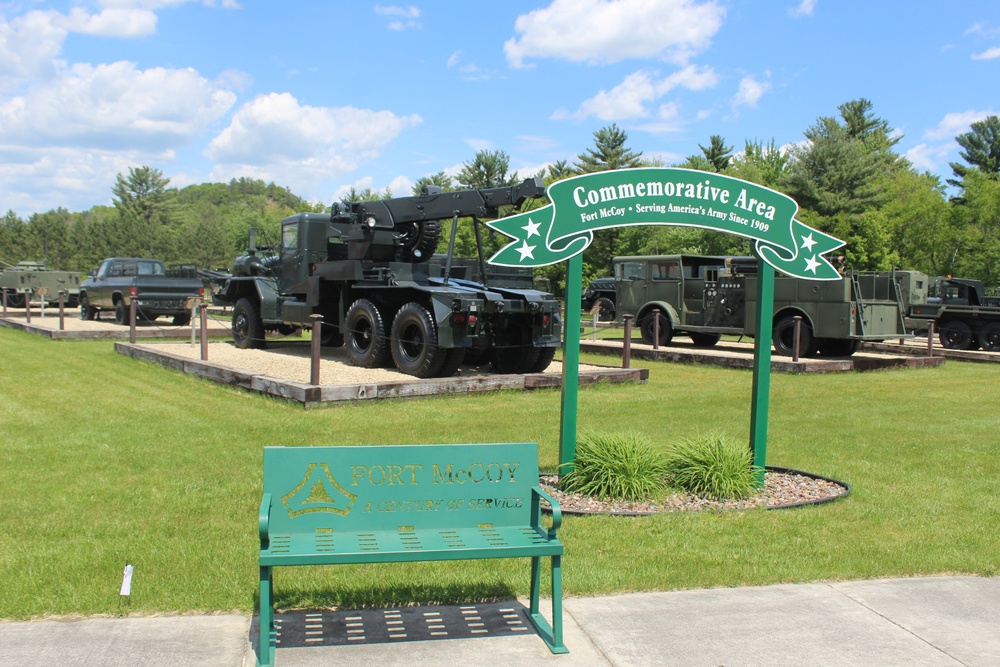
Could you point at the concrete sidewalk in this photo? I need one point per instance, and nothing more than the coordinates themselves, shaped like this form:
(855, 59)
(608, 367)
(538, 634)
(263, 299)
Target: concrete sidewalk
(921, 621)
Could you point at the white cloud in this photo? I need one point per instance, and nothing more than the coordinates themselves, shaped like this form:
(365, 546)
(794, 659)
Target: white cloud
(28, 46)
(954, 124)
(929, 157)
(111, 22)
(479, 144)
(608, 31)
(273, 137)
(401, 18)
(114, 106)
(804, 8)
(750, 92)
(988, 54)
(633, 97)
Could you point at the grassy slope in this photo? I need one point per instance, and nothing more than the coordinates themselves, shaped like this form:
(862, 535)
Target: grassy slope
(108, 461)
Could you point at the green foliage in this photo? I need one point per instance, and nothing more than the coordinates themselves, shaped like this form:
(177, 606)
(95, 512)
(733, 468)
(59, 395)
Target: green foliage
(616, 466)
(714, 466)
(980, 149)
(609, 152)
(717, 153)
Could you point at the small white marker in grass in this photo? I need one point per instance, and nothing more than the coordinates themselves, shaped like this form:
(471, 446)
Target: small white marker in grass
(127, 581)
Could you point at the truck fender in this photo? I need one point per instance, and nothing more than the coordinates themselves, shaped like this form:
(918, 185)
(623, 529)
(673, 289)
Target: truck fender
(792, 312)
(664, 307)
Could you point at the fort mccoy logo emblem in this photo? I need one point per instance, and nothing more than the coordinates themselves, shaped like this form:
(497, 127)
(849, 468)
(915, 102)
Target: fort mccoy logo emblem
(665, 196)
(318, 491)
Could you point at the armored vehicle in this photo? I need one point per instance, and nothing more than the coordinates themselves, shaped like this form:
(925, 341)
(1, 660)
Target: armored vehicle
(365, 268)
(32, 280)
(965, 317)
(708, 296)
(121, 280)
(602, 294)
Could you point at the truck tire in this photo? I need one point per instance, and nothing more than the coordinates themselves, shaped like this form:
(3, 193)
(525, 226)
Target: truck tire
(367, 341)
(452, 361)
(837, 347)
(517, 355)
(704, 339)
(956, 335)
(605, 309)
(989, 337)
(87, 312)
(646, 329)
(783, 338)
(179, 320)
(418, 240)
(414, 342)
(545, 357)
(121, 313)
(247, 327)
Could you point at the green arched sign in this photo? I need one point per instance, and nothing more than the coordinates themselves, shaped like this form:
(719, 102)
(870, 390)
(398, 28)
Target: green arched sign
(579, 206)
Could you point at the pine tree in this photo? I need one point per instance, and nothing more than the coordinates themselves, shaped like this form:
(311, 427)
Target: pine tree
(609, 152)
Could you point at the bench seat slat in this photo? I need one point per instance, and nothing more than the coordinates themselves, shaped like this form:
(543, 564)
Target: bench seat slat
(410, 545)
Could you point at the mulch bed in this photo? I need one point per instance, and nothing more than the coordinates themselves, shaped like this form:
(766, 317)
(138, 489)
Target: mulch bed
(783, 487)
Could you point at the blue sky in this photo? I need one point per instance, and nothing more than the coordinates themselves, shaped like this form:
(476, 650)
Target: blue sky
(322, 95)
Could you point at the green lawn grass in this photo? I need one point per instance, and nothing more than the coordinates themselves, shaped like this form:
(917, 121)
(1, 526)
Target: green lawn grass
(107, 461)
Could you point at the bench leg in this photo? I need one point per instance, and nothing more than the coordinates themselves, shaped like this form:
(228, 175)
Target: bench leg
(268, 633)
(551, 635)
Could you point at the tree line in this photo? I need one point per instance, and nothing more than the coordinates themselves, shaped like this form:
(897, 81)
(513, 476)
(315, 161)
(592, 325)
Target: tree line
(846, 176)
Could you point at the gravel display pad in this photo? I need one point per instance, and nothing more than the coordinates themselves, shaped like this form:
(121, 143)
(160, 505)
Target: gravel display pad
(290, 360)
(783, 487)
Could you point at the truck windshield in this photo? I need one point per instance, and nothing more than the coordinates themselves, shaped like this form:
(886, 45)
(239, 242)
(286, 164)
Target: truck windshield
(290, 237)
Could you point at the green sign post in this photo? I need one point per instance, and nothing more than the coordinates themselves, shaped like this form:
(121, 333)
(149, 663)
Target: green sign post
(666, 196)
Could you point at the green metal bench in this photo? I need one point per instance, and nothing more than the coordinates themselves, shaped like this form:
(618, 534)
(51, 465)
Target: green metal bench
(404, 503)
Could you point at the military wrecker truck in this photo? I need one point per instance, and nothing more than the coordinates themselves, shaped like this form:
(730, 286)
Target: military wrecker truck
(365, 268)
(709, 296)
(965, 317)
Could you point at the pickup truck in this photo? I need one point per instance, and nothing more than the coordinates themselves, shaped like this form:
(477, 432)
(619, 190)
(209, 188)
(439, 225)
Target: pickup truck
(119, 280)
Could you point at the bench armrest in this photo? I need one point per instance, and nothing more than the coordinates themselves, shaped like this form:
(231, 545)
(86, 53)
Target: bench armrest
(556, 511)
(263, 519)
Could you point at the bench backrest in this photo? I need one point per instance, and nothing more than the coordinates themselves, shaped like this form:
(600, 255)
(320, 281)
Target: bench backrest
(357, 489)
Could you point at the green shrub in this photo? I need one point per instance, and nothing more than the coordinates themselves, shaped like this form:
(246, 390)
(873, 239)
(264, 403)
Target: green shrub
(712, 466)
(619, 466)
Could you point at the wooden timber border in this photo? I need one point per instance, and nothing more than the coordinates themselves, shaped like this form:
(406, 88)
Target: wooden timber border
(734, 355)
(314, 395)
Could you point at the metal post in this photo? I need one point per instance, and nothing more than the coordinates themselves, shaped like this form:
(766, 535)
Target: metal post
(27, 306)
(930, 338)
(656, 328)
(797, 338)
(62, 310)
(627, 347)
(571, 365)
(203, 321)
(760, 393)
(4, 295)
(131, 321)
(594, 334)
(317, 335)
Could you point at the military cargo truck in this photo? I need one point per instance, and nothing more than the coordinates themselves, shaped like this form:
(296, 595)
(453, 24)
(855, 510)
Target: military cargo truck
(706, 297)
(602, 295)
(33, 281)
(365, 268)
(964, 316)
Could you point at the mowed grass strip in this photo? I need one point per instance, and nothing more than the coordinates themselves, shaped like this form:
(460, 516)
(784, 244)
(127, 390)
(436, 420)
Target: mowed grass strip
(108, 461)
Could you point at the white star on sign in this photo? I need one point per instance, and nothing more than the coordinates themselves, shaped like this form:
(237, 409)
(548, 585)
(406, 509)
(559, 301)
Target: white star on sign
(811, 264)
(532, 228)
(526, 251)
(808, 242)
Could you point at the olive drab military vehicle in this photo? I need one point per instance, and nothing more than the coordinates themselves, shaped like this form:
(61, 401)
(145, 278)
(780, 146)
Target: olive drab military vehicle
(706, 297)
(365, 268)
(965, 317)
(33, 281)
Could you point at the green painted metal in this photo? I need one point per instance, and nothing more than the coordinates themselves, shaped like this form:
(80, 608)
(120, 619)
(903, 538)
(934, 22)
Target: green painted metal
(761, 390)
(571, 365)
(406, 503)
